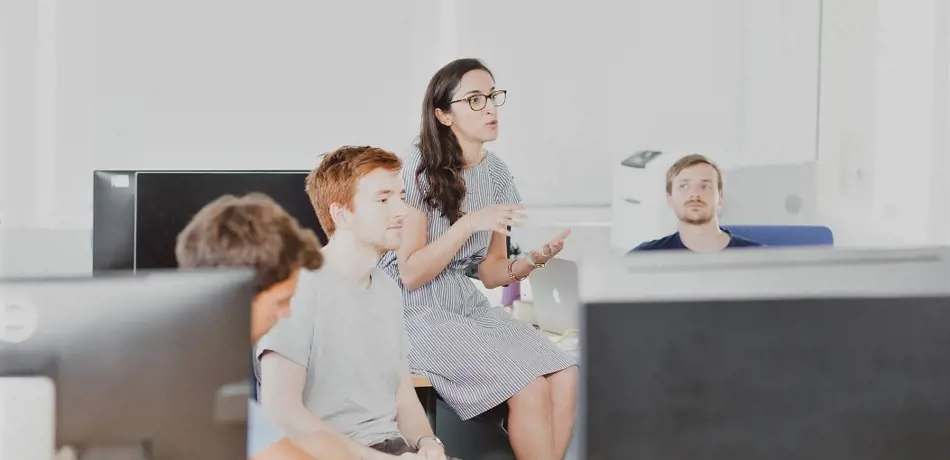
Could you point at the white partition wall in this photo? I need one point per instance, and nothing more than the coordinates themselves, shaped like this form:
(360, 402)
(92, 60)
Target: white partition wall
(884, 125)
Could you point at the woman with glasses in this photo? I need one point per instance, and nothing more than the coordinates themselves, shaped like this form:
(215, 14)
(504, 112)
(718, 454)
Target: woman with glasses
(465, 201)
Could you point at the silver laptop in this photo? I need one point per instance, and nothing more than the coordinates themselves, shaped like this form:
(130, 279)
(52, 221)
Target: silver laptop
(554, 289)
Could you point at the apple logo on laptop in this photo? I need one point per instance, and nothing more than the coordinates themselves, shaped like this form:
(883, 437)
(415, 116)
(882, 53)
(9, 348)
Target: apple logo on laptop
(557, 296)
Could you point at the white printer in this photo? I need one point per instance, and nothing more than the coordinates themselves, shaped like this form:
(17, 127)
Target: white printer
(639, 208)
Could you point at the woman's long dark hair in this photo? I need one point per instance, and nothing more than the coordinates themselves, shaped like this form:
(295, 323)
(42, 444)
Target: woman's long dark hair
(442, 161)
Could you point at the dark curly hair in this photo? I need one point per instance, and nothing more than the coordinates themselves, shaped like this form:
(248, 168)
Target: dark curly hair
(442, 161)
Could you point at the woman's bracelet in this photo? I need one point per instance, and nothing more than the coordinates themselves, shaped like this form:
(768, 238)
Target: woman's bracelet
(511, 271)
(530, 260)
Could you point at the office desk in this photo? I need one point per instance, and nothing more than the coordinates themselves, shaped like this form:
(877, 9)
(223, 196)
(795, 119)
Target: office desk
(420, 381)
(427, 395)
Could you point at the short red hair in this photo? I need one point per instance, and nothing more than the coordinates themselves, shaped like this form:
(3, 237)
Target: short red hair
(335, 179)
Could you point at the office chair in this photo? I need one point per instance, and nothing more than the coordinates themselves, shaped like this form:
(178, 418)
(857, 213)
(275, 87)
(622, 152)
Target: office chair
(784, 235)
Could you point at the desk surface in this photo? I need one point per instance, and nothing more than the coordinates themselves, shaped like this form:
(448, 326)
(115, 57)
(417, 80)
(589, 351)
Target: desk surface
(420, 381)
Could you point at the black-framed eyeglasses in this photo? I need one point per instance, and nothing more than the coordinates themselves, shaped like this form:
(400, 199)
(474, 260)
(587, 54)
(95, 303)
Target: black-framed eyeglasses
(479, 101)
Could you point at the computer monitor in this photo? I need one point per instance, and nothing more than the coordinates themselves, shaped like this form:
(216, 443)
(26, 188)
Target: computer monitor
(137, 215)
(771, 353)
(137, 362)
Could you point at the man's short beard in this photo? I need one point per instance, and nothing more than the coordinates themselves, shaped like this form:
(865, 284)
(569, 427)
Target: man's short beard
(697, 221)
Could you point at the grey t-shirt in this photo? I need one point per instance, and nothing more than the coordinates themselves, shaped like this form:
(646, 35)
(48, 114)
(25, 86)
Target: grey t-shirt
(353, 343)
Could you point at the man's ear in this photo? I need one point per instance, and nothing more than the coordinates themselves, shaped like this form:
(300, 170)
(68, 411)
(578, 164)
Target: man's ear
(339, 214)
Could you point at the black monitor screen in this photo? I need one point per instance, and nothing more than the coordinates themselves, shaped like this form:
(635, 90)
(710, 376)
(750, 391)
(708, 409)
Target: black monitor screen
(777, 379)
(166, 202)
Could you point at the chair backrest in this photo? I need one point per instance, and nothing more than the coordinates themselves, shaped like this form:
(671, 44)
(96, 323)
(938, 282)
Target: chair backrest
(785, 235)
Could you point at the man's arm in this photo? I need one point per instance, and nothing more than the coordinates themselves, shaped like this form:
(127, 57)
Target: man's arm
(410, 416)
(327, 448)
(282, 386)
(282, 450)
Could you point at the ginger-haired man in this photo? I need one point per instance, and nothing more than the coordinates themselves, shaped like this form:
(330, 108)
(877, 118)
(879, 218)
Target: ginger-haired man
(339, 364)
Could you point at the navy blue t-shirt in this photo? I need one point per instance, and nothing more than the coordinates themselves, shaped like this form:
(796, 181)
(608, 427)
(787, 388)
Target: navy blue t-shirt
(674, 242)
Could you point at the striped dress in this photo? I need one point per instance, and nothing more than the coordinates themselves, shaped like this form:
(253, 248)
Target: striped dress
(475, 355)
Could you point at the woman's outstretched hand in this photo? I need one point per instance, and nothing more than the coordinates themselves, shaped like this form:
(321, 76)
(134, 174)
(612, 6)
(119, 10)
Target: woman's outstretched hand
(551, 249)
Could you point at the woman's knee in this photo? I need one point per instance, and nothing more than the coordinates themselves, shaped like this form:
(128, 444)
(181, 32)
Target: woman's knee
(569, 377)
(536, 394)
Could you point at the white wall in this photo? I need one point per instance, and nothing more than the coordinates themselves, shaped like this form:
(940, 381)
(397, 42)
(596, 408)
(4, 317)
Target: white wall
(177, 84)
(215, 84)
(940, 185)
(249, 84)
(592, 82)
(239, 84)
(4, 66)
(735, 79)
(884, 125)
(554, 63)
